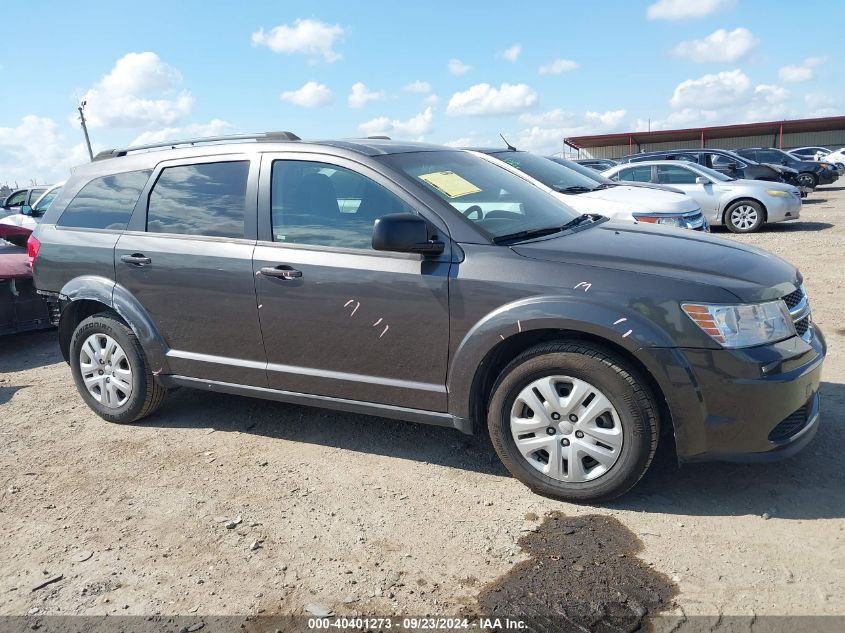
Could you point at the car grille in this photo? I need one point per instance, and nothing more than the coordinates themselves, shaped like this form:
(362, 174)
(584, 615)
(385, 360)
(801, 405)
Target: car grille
(790, 425)
(799, 309)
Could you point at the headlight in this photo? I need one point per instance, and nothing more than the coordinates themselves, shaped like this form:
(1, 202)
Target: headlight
(777, 193)
(742, 325)
(659, 219)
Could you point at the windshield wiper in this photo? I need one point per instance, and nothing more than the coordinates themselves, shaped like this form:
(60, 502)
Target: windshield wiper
(549, 230)
(573, 189)
(606, 185)
(527, 235)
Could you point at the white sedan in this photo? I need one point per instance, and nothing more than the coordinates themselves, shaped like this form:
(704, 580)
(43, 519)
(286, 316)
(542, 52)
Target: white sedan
(741, 205)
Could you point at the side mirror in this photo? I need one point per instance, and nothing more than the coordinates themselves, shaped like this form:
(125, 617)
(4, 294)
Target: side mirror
(701, 180)
(404, 233)
(26, 209)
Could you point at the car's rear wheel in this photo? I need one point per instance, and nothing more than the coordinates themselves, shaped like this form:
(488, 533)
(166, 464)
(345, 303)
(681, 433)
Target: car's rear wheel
(806, 179)
(744, 216)
(111, 372)
(573, 421)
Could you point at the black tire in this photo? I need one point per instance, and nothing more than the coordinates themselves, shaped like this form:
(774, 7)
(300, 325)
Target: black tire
(616, 379)
(737, 225)
(147, 394)
(808, 179)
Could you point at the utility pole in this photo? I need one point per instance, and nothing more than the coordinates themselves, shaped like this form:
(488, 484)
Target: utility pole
(81, 109)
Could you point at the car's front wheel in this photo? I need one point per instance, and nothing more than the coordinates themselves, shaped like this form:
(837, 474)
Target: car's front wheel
(573, 421)
(744, 216)
(806, 179)
(111, 372)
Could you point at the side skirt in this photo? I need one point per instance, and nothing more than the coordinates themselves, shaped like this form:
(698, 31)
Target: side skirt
(325, 402)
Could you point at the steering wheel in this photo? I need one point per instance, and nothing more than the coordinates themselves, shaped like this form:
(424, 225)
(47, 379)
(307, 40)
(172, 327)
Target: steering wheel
(473, 209)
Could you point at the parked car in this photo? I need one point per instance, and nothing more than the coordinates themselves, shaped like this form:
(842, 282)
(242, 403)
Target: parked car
(741, 205)
(810, 173)
(17, 227)
(21, 308)
(588, 196)
(726, 162)
(574, 340)
(809, 153)
(598, 164)
(21, 199)
(599, 178)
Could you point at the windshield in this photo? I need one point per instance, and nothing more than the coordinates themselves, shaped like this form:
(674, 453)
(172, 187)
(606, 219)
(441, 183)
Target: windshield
(46, 200)
(581, 169)
(494, 199)
(550, 173)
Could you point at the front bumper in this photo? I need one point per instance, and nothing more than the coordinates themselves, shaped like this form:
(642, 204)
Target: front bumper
(828, 176)
(752, 404)
(780, 209)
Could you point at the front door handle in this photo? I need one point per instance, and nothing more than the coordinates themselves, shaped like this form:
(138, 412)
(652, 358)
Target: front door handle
(136, 258)
(282, 272)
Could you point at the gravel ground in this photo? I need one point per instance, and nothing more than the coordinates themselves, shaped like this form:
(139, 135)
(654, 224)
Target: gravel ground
(225, 505)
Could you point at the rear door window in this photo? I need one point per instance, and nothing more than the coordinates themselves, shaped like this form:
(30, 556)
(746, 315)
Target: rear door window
(672, 175)
(206, 199)
(635, 174)
(106, 202)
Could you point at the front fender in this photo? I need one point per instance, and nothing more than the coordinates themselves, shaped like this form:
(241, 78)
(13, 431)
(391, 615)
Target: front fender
(626, 328)
(119, 299)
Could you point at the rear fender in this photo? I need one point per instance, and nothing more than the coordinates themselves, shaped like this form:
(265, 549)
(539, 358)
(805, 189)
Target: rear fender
(119, 299)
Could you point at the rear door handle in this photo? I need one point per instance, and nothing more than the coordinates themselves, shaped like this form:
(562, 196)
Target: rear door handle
(136, 258)
(281, 271)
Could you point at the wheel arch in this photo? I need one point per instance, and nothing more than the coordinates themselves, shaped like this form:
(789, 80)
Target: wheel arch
(87, 295)
(502, 336)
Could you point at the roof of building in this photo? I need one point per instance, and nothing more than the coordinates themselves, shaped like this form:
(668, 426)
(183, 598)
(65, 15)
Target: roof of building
(713, 132)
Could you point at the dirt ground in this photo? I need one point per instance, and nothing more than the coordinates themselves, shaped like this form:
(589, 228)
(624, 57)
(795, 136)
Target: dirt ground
(376, 517)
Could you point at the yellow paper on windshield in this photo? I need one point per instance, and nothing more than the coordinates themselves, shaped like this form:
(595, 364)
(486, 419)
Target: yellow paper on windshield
(450, 183)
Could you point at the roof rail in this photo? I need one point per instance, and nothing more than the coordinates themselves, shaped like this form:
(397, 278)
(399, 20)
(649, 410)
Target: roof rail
(379, 137)
(261, 137)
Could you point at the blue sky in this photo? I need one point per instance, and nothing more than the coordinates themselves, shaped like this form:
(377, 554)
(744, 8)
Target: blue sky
(445, 72)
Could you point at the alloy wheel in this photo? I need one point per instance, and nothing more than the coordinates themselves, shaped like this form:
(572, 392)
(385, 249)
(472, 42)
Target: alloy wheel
(744, 217)
(566, 428)
(105, 370)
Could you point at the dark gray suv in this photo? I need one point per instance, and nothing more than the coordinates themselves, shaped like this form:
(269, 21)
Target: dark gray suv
(420, 282)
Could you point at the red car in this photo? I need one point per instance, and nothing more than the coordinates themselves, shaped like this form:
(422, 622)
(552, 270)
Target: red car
(21, 307)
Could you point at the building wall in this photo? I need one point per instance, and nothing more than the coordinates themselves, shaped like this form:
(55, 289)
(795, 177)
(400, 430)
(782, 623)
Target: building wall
(834, 139)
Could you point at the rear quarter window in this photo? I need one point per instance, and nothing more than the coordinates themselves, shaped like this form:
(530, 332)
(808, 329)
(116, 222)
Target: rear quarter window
(106, 202)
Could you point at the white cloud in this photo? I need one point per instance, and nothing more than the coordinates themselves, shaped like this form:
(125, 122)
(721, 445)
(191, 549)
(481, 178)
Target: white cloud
(468, 141)
(361, 96)
(416, 127)
(820, 104)
(547, 130)
(805, 71)
(557, 67)
(485, 100)
(457, 67)
(421, 87)
(215, 127)
(431, 99)
(686, 9)
(306, 37)
(35, 149)
(720, 46)
(311, 95)
(512, 54)
(711, 92)
(139, 91)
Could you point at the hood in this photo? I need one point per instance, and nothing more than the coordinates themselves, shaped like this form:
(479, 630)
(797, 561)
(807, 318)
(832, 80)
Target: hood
(641, 199)
(749, 273)
(782, 169)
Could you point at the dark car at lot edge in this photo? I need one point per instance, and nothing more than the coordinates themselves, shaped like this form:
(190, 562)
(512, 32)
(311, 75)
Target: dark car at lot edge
(810, 172)
(341, 274)
(724, 161)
